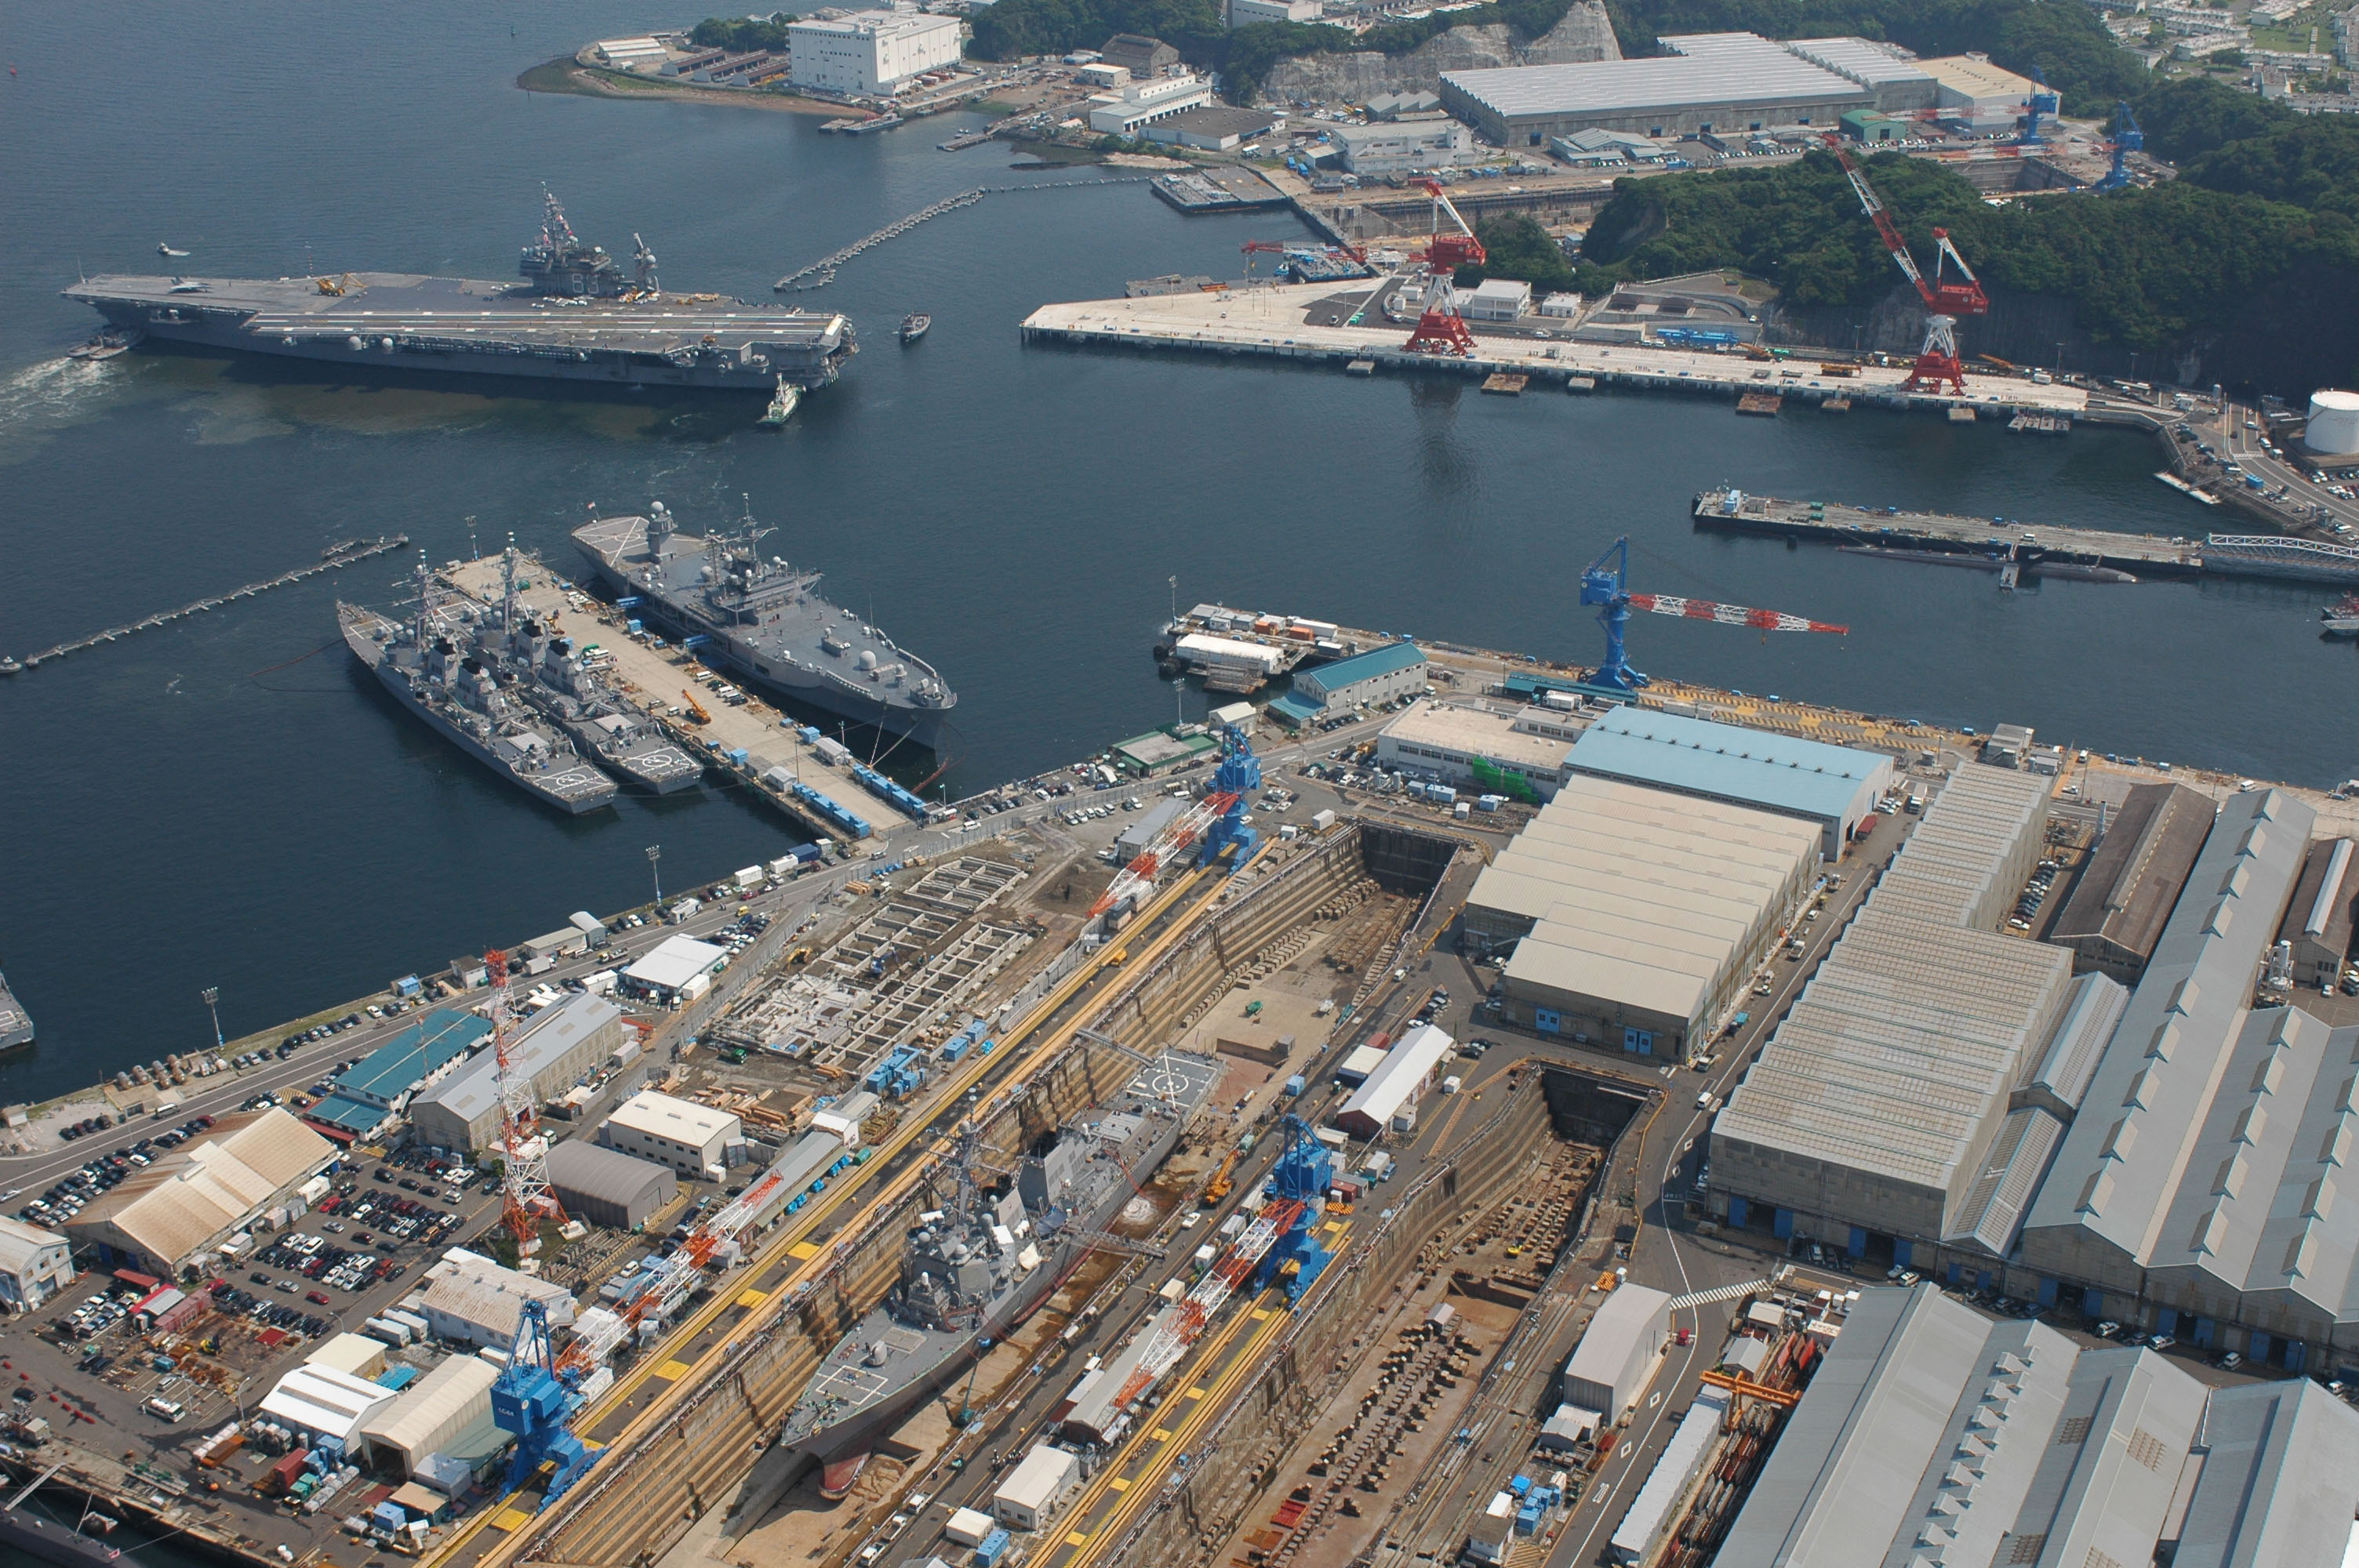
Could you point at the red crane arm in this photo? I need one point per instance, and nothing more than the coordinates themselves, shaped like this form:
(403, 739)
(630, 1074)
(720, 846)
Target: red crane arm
(1730, 614)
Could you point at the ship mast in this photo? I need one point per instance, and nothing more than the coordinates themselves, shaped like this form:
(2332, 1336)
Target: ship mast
(507, 587)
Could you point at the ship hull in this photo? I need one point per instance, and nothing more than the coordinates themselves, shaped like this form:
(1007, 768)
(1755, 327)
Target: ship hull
(26, 1535)
(573, 802)
(924, 726)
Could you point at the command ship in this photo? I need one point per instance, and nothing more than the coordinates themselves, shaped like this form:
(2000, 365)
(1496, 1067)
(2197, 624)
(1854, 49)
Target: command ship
(577, 316)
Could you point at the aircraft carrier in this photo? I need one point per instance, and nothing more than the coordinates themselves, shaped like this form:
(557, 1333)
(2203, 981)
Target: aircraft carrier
(764, 621)
(577, 316)
(972, 1272)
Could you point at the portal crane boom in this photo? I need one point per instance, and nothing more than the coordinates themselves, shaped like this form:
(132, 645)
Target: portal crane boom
(1450, 251)
(1937, 364)
(1605, 584)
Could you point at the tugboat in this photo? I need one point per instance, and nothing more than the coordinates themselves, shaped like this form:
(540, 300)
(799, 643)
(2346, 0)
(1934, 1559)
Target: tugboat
(2341, 618)
(113, 340)
(913, 327)
(782, 406)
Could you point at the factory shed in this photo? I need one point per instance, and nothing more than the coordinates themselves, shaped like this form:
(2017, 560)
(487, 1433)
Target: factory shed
(692, 1138)
(2126, 892)
(35, 1264)
(1899, 83)
(1616, 1358)
(1379, 675)
(195, 1197)
(320, 1402)
(1923, 1405)
(355, 1355)
(1970, 89)
(1834, 786)
(1637, 914)
(380, 1084)
(2132, 1206)
(606, 1187)
(1039, 1485)
(1140, 835)
(1392, 1090)
(453, 1397)
(679, 969)
(472, 1299)
(1472, 746)
(2318, 921)
(1709, 81)
(1872, 1106)
(1656, 1507)
(556, 1048)
(2277, 1484)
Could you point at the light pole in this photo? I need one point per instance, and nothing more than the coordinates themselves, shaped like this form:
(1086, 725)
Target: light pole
(655, 856)
(212, 997)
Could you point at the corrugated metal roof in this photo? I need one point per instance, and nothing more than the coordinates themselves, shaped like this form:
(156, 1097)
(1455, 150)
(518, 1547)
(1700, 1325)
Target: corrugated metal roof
(323, 1400)
(209, 1185)
(1387, 660)
(1992, 1212)
(1863, 61)
(1710, 69)
(547, 1038)
(445, 1401)
(2276, 1483)
(2118, 1172)
(660, 1115)
(577, 1165)
(1621, 1322)
(1405, 1067)
(1901, 1054)
(1475, 732)
(2126, 892)
(675, 961)
(2091, 1016)
(22, 1244)
(392, 1068)
(1776, 772)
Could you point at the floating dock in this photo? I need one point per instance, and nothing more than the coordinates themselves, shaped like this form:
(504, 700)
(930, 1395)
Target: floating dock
(1272, 321)
(2095, 553)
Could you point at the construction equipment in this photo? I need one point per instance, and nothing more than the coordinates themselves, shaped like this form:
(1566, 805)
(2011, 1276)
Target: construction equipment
(1253, 248)
(2127, 139)
(1440, 329)
(337, 288)
(1607, 587)
(1448, 251)
(696, 709)
(1937, 362)
(2041, 101)
(1220, 812)
(1742, 1388)
(534, 1397)
(1995, 361)
(527, 1198)
(1755, 351)
(1218, 1187)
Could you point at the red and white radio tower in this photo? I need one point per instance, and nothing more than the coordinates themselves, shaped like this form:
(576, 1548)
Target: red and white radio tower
(527, 1198)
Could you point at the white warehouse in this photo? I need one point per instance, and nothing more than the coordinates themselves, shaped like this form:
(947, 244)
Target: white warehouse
(691, 1138)
(872, 51)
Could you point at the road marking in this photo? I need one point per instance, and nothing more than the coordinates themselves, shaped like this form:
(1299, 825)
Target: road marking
(1120, 1484)
(1724, 1294)
(509, 1519)
(1196, 1394)
(751, 1298)
(1260, 1313)
(803, 1252)
(672, 1371)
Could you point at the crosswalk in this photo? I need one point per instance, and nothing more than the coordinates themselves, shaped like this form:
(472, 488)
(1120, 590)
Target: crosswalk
(1723, 1293)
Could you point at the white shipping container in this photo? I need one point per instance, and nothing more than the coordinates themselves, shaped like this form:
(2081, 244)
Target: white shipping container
(1322, 820)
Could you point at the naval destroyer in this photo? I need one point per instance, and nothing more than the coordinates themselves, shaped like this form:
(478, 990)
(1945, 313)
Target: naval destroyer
(576, 316)
(975, 1270)
(16, 1024)
(764, 622)
(457, 694)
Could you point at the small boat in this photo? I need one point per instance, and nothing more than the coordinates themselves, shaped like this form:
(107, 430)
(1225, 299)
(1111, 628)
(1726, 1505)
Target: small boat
(782, 406)
(913, 327)
(113, 340)
(2341, 618)
(165, 250)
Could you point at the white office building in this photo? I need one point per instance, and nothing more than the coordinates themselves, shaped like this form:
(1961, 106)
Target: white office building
(691, 1138)
(872, 51)
(1406, 145)
(35, 1264)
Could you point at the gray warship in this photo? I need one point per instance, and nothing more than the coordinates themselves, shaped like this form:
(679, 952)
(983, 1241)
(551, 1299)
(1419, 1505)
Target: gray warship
(577, 316)
(459, 697)
(764, 622)
(973, 1271)
(16, 1024)
(567, 686)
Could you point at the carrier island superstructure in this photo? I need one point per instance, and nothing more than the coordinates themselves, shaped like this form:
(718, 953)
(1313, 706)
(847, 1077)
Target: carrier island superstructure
(576, 316)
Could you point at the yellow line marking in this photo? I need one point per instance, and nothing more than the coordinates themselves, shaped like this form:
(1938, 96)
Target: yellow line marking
(751, 1298)
(1119, 1484)
(1196, 1394)
(802, 1251)
(1160, 1434)
(1260, 1313)
(1077, 1539)
(508, 1518)
(673, 1370)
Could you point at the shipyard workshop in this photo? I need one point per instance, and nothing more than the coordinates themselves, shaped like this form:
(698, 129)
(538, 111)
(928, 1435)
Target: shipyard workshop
(557, 1048)
(1664, 874)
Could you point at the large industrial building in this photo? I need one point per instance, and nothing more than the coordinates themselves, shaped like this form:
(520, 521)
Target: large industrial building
(1719, 82)
(202, 1196)
(1616, 1358)
(1931, 1433)
(1380, 675)
(1475, 748)
(380, 1085)
(2126, 892)
(557, 1048)
(1977, 94)
(1833, 786)
(1390, 1092)
(606, 1187)
(472, 1300)
(872, 51)
(1874, 1109)
(1407, 145)
(35, 1264)
(1638, 915)
(433, 1414)
(691, 1138)
(2199, 1190)
(1901, 85)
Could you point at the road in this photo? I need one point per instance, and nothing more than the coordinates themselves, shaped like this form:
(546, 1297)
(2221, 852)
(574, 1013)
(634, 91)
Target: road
(2237, 434)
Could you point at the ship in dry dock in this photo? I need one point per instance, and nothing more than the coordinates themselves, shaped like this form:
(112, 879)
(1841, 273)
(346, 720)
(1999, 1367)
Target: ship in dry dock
(577, 316)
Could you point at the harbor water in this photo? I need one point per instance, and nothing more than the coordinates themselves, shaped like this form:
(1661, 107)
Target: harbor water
(228, 801)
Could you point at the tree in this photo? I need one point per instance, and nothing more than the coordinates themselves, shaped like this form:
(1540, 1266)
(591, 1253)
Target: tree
(742, 35)
(1518, 248)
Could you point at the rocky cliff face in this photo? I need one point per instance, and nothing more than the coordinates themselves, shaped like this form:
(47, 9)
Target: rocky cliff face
(1585, 34)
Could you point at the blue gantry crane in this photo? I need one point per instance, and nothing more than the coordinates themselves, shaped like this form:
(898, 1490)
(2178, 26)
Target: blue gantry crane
(1605, 584)
(1235, 781)
(533, 1399)
(2042, 101)
(1304, 1172)
(2127, 139)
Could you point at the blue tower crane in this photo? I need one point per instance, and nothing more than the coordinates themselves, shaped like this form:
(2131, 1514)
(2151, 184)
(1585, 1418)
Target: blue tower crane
(535, 1401)
(2127, 139)
(1237, 777)
(1607, 587)
(2043, 101)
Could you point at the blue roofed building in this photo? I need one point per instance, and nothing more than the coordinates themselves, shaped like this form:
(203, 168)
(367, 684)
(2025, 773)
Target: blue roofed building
(1832, 785)
(380, 1083)
(1380, 675)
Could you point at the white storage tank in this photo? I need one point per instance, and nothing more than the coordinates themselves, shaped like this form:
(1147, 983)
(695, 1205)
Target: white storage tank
(2333, 422)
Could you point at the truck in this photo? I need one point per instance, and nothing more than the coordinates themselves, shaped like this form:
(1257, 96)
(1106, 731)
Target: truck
(684, 910)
